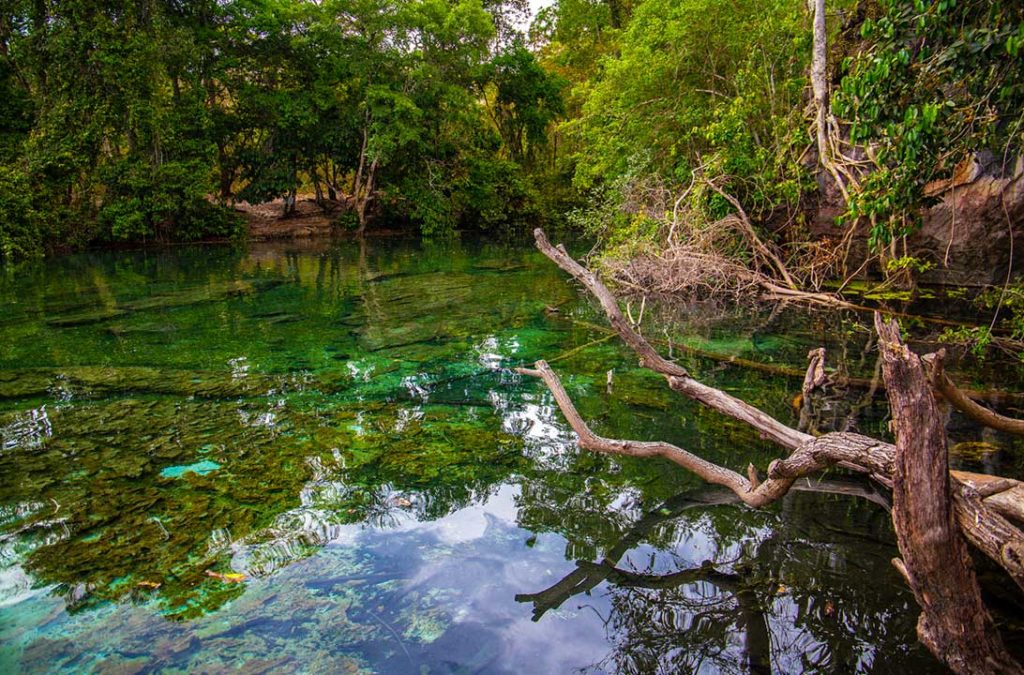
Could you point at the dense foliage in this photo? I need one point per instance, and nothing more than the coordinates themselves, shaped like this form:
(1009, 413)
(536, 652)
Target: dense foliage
(141, 120)
(682, 88)
(138, 120)
(936, 83)
(721, 89)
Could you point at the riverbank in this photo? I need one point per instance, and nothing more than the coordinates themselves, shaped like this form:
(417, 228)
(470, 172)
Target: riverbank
(266, 222)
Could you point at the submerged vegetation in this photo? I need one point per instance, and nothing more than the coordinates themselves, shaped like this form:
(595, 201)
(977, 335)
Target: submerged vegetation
(294, 454)
(329, 455)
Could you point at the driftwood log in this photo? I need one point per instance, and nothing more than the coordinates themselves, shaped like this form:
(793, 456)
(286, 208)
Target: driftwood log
(932, 511)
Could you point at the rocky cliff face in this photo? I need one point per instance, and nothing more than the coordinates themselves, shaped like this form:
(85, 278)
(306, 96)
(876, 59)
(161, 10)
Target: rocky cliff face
(975, 233)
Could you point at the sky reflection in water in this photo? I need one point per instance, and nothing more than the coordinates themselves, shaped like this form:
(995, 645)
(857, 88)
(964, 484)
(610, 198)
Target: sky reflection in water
(340, 425)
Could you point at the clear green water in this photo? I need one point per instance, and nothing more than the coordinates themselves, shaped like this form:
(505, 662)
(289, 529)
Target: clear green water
(315, 458)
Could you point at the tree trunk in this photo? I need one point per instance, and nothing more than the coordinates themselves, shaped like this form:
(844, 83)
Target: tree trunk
(357, 177)
(329, 171)
(363, 199)
(819, 85)
(318, 191)
(954, 623)
(227, 174)
(289, 203)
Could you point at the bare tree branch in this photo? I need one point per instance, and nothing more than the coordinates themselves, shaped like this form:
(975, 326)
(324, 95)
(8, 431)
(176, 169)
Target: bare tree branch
(984, 526)
(678, 378)
(755, 241)
(961, 402)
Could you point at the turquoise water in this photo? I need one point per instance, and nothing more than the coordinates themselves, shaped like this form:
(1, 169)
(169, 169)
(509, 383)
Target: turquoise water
(316, 458)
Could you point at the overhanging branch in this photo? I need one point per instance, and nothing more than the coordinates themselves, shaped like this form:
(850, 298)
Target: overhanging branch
(982, 522)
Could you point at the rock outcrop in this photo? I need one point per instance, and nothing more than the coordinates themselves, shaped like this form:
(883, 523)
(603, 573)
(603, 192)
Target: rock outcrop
(975, 234)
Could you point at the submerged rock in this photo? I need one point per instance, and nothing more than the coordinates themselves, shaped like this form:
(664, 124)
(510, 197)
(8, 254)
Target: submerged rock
(200, 468)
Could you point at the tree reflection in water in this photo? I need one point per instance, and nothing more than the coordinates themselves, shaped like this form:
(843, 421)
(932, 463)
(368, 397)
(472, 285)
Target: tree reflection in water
(775, 607)
(359, 400)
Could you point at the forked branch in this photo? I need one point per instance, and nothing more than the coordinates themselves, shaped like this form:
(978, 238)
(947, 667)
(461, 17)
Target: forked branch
(810, 457)
(982, 521)
(930, 509)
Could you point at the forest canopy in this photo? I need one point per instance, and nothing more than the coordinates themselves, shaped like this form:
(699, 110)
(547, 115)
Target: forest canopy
(145, 120)
(138, 120)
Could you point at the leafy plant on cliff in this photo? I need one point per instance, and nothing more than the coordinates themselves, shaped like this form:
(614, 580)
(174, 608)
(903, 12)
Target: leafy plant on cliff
(934, 82)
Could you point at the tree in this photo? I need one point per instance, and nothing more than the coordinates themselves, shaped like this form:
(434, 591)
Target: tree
(526, 100)
(141, 120)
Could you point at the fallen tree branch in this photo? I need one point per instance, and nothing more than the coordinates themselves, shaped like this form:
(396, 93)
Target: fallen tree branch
(782, 293)
(989, 395)
(679, 378)
(815, 376)
(960, 400)
(755, 242)
(810, 457)
(982, 525)
(1005, 495)
(986, 529)
(814, 379)
(991, 533)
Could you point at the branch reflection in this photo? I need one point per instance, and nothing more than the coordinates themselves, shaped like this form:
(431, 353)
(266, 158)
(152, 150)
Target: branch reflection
(773, 608)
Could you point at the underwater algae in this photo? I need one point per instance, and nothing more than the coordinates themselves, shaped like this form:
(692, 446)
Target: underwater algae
(320, 460)
(201, 468)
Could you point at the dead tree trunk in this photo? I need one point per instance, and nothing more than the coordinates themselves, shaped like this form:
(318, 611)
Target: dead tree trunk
(954, 623)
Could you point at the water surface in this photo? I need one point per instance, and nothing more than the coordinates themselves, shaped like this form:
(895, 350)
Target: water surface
(317, 458)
